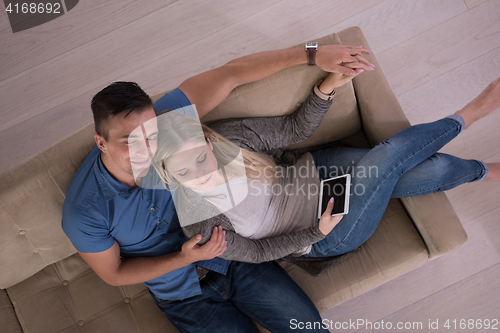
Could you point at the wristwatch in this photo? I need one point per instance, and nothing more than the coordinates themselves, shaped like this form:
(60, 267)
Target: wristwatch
(311, 49)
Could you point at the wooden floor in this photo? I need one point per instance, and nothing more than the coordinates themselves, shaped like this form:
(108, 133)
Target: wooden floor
(436, 54)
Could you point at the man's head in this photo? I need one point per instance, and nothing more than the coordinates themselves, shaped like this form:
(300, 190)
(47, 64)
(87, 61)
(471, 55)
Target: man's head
(126, 131)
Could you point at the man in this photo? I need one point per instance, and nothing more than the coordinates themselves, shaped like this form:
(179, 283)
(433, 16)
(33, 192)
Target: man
(129, 234)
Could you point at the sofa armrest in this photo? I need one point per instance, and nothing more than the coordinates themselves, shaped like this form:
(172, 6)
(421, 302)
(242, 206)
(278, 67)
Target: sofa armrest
(381, 114)
(437, 223)
(382, 117)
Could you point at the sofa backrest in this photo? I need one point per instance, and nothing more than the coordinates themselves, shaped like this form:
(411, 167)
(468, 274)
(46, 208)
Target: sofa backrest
(283, 92)
(32, 193)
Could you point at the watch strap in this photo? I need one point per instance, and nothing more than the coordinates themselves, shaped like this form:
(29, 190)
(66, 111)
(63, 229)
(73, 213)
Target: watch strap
(311, 56)
(321, 95)
(311, 49)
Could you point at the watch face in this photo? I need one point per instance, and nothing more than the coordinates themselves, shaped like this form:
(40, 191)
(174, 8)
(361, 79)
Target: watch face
(312, 45)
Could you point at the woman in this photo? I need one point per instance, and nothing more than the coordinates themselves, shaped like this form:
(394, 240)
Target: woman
(218, 184)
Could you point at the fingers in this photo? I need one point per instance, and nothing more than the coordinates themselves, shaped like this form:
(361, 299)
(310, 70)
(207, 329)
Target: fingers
(354, 52)
(217, 243)
(193, 241)
(216, 236)
(336, 220)
(348, 58)
(329, 208)
(356, 65)
(344, 70)
(359, 71)
(363, 60)
(222, 245)
(360, 49)
(221, 242)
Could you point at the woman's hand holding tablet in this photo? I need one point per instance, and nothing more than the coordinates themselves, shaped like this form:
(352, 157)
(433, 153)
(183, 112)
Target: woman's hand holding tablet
(333, 201)
(328, 221)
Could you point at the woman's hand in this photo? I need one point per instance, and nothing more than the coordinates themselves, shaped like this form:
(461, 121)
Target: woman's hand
(327, 222)
(211, 249)
(335, 80)
(332, 58)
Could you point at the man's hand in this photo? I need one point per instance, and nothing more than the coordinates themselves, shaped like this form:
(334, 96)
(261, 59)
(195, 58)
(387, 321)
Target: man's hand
(330, 58)
(217, 244)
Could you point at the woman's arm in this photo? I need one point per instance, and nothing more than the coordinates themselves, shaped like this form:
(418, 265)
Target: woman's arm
(263, 134)
(244, 249)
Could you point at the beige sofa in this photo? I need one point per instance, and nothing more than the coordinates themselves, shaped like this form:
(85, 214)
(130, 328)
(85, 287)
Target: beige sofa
(47, 287)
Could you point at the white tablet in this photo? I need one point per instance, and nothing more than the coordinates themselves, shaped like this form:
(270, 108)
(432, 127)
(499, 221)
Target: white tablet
(339, 189)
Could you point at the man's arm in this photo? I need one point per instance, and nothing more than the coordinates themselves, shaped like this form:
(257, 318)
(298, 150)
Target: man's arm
(209, 89)
(117, 271)
(257, 250)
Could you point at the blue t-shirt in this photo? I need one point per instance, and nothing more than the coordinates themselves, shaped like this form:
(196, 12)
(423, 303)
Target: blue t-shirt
(99, 210)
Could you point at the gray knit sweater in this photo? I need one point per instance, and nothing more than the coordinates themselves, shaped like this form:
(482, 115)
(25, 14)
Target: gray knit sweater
(261, 134)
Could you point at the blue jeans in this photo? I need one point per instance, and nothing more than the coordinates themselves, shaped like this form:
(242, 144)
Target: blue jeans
(405, 165)
(264, 292)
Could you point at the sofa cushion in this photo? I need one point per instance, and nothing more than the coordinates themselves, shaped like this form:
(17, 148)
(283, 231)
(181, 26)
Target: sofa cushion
(394, 249)
(31, 203)
(69, 297)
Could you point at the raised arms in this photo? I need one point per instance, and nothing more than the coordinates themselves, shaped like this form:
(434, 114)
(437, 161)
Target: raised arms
(209, 89)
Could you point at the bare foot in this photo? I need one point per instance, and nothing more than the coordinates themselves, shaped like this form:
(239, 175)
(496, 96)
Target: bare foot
(481, 106)
(493, 171)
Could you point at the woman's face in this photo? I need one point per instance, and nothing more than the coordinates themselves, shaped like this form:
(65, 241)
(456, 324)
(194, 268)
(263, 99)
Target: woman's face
(194, 166)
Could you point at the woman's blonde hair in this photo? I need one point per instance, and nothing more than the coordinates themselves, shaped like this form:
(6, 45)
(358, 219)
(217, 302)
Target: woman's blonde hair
(175, 129)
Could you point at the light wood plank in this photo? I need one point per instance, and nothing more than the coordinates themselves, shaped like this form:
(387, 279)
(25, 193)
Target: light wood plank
(489, 330)
(471, 201)
(4, 19)
(465, 300)
(86, 22)
(40, 132)
(450, 92)
(393, 21)
(481, 251)
(35, 134)
(286, 31)
(114, 54)
(334, 326)
(478, 142)
(473, 3)
(442, 48)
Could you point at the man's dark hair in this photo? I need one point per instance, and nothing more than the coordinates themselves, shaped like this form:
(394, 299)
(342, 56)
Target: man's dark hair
(117, 98)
